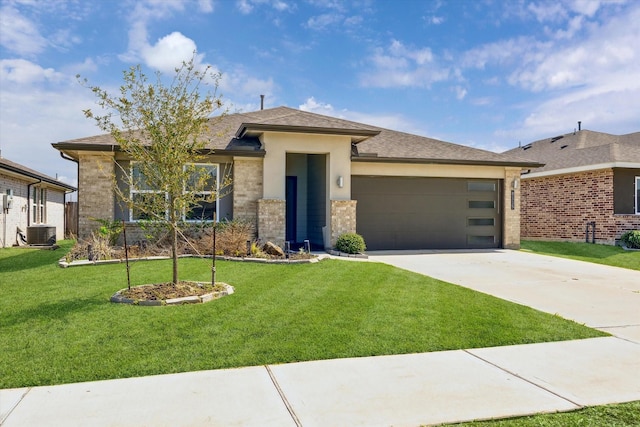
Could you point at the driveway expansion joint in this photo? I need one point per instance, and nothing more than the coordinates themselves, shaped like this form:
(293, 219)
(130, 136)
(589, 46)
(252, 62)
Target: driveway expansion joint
(6, 417)
(282, 396)
(578, 406)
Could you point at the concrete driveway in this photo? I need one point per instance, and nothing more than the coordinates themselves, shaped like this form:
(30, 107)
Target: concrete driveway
(601, 297)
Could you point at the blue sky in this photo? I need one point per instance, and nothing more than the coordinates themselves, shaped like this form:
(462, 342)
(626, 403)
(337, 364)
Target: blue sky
(487, 74)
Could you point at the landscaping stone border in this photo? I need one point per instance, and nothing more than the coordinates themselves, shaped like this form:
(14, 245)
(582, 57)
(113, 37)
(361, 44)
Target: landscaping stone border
(201, 299)
(344, 254)
(78, 263)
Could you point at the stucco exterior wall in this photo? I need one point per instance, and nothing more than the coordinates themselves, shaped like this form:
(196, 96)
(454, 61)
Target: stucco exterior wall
(559, 207)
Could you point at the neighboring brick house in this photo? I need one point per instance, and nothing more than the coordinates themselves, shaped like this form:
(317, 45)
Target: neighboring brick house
(32, 203)
(588, 177)
(303, 176)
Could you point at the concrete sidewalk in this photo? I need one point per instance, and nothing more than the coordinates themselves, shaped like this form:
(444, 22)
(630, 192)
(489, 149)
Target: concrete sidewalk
(401, 390)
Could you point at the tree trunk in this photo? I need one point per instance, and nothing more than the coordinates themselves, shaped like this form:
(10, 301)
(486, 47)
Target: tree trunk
(173, 218)
(174, 251)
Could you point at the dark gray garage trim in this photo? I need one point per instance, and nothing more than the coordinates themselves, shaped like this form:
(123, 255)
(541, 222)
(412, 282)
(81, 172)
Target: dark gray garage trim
(428, 213)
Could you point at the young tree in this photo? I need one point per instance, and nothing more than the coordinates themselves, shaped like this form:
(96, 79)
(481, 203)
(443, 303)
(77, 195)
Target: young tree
(163, 129)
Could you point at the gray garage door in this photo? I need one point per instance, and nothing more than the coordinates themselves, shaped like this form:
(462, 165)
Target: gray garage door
(427, 213)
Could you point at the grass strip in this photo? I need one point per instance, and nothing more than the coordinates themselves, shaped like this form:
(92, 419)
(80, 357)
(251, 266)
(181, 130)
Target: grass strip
(58, 326)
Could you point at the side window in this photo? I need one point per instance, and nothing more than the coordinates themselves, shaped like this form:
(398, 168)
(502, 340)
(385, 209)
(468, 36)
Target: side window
(637, 195)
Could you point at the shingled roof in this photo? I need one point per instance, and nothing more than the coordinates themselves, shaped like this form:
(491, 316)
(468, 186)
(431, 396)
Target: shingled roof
(582, 149)
(16, 169)
(237, 134)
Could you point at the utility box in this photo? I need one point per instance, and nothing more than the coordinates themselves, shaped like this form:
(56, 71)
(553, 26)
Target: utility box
(41, 235)
(7, 200)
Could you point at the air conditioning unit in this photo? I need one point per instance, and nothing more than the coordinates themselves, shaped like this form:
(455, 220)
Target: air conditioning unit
(41, 235)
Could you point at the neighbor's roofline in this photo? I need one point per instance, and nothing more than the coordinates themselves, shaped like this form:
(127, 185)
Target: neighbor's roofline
(577, 169)
(20, 172)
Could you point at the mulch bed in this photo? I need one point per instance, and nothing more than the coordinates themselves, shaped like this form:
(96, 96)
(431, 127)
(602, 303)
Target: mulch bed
(164, 291)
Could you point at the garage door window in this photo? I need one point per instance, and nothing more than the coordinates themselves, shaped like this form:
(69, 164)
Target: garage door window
(480, 240)
(482, 204)
(481, 186)
(480, 221)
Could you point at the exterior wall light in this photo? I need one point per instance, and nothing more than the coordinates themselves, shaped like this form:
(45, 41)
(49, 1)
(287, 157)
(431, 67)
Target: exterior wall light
(340, 181)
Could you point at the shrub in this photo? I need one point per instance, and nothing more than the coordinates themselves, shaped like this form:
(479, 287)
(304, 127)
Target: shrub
(350, 243)
(631, 239)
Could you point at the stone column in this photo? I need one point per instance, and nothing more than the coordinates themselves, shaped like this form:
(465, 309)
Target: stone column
(511, 217)
(95, 191)
(343, 219)
(272, 221)
(247, 190)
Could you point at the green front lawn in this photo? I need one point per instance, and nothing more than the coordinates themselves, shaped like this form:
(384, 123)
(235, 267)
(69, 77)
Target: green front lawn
(58, 326)
(599, 254)
(621, 415)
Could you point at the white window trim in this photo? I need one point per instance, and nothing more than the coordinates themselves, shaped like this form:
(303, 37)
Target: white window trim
(637, 195)
(207, 193)
(133, 191)
(38, 202)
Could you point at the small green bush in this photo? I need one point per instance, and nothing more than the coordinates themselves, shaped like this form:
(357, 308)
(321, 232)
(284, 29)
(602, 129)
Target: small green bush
(631, 239)
(351, 243)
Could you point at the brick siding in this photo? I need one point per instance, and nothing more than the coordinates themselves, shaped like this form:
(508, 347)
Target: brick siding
(95, 189)
(559, 208)
(511, 220)
(272, 221)
(247, 190)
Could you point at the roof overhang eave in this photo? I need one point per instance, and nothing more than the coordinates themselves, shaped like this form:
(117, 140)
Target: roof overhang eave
(446, 161)
(254, 129)
(19, 173)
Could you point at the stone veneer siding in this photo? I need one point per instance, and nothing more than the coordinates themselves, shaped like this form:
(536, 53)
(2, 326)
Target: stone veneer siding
(343, 218)
(559, 208)
(272, 221)
(511, 217)
(95, 191)
(247, 190)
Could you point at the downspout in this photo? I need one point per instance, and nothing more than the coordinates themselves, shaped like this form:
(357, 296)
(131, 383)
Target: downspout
(64, 156)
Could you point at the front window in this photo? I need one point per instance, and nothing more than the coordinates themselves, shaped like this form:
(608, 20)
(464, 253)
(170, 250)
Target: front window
(39, 205)
(143, 194)
(202, 176)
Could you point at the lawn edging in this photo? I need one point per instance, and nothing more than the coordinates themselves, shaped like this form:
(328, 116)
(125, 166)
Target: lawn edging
(81, 263)
(195, 299)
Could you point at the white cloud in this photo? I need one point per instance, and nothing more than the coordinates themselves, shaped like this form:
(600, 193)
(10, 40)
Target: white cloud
(460, 93)
(23, 72)
(247, 6)
(169, 52)
(611, 49)
(19, 34)
(401, 66)
(320, 22)
(393, 121)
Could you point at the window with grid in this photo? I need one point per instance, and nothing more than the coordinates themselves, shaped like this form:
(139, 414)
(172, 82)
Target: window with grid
(39, 205)
(204, 210)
